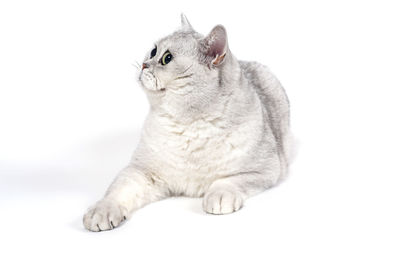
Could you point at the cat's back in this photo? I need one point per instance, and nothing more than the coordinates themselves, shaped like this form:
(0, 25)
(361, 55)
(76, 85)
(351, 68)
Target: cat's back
(274, 99)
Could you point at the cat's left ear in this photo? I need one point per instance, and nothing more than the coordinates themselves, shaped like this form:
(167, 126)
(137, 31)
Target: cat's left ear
(215, 46)
(185, 25)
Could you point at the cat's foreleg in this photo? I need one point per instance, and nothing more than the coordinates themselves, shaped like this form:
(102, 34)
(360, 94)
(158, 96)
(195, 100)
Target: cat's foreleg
(130, 191)
(227, 195)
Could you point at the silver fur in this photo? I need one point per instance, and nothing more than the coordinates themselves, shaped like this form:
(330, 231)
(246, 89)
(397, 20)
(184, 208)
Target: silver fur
(218, 128)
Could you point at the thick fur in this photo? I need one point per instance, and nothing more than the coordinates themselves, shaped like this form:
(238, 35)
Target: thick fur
(218, 128)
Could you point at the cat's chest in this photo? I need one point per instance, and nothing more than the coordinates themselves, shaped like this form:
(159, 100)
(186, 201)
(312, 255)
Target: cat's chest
(205, 148)
(190, 157)
(199, 143)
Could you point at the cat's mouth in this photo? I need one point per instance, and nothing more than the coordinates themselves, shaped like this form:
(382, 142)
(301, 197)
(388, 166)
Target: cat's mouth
(160, 91)
(156, 91)
(151, 83)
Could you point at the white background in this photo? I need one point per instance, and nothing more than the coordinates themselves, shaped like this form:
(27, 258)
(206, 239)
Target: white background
(71, 113)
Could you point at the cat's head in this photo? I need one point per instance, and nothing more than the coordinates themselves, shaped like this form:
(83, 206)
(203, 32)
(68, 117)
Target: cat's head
(185, 63)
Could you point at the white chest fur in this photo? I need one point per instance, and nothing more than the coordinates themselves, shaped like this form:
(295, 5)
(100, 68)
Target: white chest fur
(189, 157)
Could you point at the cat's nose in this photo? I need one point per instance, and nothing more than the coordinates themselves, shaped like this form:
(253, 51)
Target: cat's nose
(145, 66)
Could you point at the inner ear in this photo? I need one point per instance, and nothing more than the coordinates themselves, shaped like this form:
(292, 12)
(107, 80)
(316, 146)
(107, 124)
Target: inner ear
(218, 59)
(215, 45)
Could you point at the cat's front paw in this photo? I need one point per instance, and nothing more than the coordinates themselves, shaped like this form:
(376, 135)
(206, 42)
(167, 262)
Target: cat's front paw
(105, 215)
(222, 201)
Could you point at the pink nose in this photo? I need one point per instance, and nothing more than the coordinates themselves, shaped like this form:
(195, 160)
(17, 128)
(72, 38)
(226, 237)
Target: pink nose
(144, 66)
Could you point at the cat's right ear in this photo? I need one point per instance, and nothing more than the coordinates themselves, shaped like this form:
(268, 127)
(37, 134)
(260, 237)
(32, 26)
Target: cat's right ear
(215, 46)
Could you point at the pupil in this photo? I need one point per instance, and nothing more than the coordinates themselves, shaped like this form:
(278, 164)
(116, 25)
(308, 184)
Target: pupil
(168, 58)
(153, 52)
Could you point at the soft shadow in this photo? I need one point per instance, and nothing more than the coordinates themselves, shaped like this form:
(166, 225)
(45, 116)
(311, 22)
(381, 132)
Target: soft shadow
(194, 205)
(87, 167)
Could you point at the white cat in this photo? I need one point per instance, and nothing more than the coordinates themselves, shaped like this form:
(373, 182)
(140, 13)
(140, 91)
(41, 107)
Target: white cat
(217, 128)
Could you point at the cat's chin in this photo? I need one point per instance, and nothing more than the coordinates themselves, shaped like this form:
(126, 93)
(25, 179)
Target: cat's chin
(151, 89)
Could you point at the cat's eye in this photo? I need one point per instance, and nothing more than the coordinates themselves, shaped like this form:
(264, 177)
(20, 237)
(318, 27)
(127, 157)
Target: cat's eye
(166, 58)
(153, 52)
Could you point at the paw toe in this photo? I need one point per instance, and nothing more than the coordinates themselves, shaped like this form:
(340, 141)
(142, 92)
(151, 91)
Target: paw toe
(222, 202)
(104, 216)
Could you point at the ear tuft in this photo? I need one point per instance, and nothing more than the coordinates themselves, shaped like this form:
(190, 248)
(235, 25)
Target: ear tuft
(185, 25)
(215, 45)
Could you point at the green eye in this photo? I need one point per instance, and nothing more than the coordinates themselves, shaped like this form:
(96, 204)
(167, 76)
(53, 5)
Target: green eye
(166, 58)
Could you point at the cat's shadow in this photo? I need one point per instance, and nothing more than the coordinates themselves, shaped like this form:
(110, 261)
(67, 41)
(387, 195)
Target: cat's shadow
(87, 167)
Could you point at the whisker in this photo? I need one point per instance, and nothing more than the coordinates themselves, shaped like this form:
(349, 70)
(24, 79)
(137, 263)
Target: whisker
(183, 77)
(136, 65)
(186, 69)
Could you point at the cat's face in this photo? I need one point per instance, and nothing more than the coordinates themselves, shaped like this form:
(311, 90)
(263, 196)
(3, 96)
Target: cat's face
(171, 63)
(184, 63)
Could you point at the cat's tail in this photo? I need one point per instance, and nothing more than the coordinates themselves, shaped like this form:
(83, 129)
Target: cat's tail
(290, 147)
(289, 152)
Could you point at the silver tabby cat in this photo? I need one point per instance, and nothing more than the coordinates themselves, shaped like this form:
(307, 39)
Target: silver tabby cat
(218, 128)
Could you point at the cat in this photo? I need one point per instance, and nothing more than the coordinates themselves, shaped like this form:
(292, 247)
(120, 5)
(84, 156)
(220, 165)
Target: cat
(217, 128)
